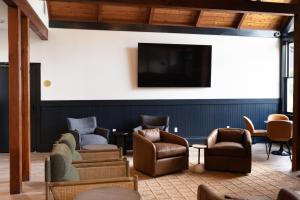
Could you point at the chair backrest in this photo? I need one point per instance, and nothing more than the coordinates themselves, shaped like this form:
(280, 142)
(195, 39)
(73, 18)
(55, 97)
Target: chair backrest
(151, 121)
(230, 135)
(289, 194)
(61, 168)
(275, 117)
(280, 130)
(249, 125)
(85, 125)
(69, 140)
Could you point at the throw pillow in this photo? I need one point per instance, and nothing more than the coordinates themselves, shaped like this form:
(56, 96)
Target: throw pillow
(151, 134)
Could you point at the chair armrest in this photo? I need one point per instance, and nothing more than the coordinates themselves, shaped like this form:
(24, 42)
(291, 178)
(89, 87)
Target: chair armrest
(77, 138)
(101, 154)
(144, 151)
(172, 138)
(247, 143)
(103, 132)
(212, 138)
(68, 190)
(136, 129)
(205, 193)
(98, 170)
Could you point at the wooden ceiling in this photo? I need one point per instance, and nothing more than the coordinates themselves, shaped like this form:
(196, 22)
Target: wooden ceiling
(133, 14)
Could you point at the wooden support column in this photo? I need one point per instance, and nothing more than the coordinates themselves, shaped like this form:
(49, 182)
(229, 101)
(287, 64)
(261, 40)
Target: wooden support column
(15, 99)
(296, 111)
(25, 98)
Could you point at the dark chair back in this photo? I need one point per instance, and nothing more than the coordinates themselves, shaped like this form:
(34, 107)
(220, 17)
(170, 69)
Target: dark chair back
(151, 121)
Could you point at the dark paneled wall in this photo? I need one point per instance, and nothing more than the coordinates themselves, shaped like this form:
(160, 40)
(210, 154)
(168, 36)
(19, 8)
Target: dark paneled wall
(194, 118)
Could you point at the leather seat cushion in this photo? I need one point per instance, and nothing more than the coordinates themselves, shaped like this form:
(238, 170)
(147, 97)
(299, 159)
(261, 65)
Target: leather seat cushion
(259, 133)
(231, 149)
(166, 150)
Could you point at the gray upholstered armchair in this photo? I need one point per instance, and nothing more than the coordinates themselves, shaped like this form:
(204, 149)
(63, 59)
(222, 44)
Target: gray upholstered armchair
(86, 132)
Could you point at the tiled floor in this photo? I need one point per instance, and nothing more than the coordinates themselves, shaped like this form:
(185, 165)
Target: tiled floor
(266, 179)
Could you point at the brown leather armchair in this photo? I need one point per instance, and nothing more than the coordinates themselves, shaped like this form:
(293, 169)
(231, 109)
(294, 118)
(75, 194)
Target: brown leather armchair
(228, 149)
(206, 193)
(157, 152)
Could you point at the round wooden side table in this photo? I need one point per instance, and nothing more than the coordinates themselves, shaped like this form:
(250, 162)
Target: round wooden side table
(111, 193)
(199, 168)
(199, 147)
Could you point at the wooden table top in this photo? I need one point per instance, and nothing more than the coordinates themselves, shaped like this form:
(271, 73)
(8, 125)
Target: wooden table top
(99, 147)
(199, 146)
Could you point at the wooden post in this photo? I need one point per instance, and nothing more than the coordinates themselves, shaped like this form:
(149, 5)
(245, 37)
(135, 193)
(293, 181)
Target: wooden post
(15, 99)
(25, 97)
(296, 109)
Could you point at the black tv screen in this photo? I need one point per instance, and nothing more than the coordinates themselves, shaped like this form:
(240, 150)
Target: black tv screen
(174, 65)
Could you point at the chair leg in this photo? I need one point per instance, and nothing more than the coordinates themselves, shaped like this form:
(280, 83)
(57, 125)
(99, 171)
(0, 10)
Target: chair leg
(266, 144)
(289, 150)
(270, 146)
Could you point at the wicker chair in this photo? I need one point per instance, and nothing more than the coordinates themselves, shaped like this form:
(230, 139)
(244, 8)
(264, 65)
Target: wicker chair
(89, 155)
(65, 177)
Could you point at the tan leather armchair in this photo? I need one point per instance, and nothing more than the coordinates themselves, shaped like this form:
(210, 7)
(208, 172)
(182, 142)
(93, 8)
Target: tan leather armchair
(281, 132)
(158, 152)
(228, 149)
(275, 117)
(255, 132)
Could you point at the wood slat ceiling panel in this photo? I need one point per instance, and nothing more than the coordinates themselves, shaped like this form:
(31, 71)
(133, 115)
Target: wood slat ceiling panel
(112, 13)
(219, 19)
(174, 17)
(262, 21)
(72, 11)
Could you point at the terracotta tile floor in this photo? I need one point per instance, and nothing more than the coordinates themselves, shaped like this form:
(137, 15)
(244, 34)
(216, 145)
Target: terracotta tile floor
(265, 180)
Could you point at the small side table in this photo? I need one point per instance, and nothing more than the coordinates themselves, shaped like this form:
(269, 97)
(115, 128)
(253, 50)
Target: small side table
(121, 140)
(199, 147)
(198, 168)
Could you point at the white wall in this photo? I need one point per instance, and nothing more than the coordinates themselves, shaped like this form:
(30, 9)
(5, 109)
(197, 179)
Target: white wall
(96, 65)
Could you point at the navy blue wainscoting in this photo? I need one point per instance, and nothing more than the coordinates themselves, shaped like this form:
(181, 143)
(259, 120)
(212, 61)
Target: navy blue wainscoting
(195, 119)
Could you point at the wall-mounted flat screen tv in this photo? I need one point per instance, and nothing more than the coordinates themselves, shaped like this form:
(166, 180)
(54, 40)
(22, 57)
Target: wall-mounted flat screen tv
(174, 65)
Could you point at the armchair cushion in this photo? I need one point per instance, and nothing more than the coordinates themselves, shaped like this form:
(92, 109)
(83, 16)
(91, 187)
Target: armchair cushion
(85, 125)
(89, 139)
(231, 149)
(167, 150)
(230, 135)
(69, 140)
(151, 134)
(61, 164)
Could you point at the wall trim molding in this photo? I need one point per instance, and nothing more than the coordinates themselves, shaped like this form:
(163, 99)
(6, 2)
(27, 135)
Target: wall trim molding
(151, 102)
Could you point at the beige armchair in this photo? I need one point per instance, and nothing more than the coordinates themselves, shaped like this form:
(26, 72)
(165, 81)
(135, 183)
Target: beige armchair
(275, 117)
(228, 149)
(281, 132)
(158, 152)
(255, 132)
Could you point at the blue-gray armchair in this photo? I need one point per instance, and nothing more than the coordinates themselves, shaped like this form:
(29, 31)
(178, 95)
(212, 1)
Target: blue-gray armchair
(86, 131)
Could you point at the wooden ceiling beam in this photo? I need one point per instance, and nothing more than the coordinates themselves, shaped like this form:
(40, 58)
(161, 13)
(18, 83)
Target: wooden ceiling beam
(36, 23)
(199, 16)
(241, 20)
(151, 15)
(226, 5)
